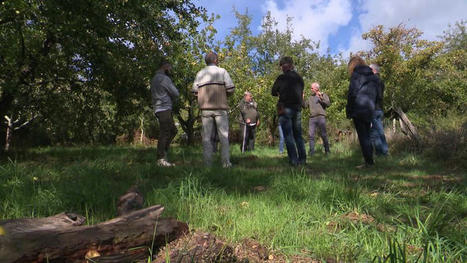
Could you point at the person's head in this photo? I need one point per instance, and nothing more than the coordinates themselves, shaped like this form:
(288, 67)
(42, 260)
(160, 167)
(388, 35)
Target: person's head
(354, 62)
(248, 97)
(315, 87)
(166, 66)
(375, 68)
(211, 58)
(286, 64)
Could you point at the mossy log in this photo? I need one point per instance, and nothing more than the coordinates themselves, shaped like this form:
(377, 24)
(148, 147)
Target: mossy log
(64, 238)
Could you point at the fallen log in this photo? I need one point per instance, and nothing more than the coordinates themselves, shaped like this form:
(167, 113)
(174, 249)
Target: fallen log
(62, 238)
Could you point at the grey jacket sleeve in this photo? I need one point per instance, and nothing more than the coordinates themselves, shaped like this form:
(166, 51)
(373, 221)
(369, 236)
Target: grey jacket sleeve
(170, 87)
(325, 101)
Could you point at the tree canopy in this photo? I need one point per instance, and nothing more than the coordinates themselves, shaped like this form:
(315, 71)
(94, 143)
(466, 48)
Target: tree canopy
(81, 68)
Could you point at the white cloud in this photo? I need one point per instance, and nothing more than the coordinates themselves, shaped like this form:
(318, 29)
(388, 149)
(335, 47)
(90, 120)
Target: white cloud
(430, 16)
(312, 19)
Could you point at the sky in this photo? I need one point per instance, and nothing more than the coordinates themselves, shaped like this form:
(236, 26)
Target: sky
(339, 24)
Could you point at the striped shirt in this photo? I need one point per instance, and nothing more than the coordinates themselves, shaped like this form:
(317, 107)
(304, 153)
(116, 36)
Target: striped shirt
(212, 85)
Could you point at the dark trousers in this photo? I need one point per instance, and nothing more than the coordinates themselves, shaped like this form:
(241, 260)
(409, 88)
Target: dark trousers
(363, 132)
(317, 122)
(248, 134)
(167, 132)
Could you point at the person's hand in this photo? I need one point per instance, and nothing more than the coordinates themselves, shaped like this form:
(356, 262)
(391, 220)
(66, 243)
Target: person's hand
(248, 120)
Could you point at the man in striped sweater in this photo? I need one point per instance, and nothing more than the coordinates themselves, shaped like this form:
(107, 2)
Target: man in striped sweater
(212, 85)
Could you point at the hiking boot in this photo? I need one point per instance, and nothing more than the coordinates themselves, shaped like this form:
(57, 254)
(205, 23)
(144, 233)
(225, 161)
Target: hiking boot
(164, 163)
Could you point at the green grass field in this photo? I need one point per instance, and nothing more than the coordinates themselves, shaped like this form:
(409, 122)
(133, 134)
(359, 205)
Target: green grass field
(405, 208)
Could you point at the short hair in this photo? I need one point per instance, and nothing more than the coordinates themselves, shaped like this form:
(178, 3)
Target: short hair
(247, 93)
(317, 84)
(354, 62)
(210, 57)
(374, 67)
(164, 62)
(286, 60)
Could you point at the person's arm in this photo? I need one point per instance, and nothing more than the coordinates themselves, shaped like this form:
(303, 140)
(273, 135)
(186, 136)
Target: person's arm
(170, 87)
(229, 86)
(195, 88)
(380, 90)
(276, 87)
(241, 116)
(324, 100)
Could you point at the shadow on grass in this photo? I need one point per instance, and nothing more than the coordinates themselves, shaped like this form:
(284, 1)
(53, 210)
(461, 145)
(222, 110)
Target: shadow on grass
(94, 177)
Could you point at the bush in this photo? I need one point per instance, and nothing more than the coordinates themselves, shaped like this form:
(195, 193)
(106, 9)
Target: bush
(442, 138)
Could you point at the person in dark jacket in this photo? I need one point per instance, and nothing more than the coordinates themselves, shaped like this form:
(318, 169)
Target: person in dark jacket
(317, 103)
(378, 139)
(361, 100)
(289, 87)
(249, 120)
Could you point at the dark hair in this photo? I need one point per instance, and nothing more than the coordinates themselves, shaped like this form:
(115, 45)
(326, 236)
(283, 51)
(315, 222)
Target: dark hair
(286, 60)
(210, 57)
(354, 62)
(164, 62)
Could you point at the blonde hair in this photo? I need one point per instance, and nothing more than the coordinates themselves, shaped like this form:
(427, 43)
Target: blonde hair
(354, 62)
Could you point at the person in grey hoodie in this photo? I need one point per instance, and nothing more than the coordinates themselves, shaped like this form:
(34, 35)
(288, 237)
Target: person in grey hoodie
(317, 103)
(163, 93)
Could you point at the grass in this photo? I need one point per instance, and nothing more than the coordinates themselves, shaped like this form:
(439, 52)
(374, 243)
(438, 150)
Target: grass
(405, 209)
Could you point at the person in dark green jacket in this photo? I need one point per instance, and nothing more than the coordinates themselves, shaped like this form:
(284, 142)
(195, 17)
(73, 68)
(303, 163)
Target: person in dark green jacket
(249, 120)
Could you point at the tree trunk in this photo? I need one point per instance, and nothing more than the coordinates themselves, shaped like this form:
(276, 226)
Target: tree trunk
(407, 125)
(8, 137)
(9, 133)
(61, 238)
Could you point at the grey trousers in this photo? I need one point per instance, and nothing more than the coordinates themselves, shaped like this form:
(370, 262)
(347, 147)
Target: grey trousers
(215, 121)
(320, 122)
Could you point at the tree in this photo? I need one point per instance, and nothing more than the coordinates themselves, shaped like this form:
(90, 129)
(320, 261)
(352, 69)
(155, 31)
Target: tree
(84, 65)
(404, 59)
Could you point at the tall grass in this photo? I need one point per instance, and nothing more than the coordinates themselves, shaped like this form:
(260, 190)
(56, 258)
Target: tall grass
(406, 208)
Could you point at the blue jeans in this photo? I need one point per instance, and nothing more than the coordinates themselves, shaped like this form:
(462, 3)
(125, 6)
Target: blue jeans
(281, 139)
(378, 140)
(291, 123)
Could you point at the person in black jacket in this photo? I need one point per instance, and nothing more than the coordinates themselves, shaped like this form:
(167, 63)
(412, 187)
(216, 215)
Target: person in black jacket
(361, 100)
(289, 87)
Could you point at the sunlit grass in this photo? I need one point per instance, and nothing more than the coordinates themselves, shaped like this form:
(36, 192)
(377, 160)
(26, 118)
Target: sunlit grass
(405, 207)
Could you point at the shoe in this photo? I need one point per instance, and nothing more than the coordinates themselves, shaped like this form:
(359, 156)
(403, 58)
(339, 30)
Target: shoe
(227, 165)
(164, 163)
(364, 166)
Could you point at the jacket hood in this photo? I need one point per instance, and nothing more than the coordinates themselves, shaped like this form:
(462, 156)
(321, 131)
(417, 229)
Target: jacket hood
(363, 70)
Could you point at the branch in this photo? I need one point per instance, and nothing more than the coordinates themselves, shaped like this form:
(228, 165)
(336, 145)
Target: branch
(25, 123)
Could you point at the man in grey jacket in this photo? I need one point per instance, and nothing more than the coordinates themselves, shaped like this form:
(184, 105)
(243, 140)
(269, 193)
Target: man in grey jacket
(212, 85)
(317, 102)
(163, 93)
